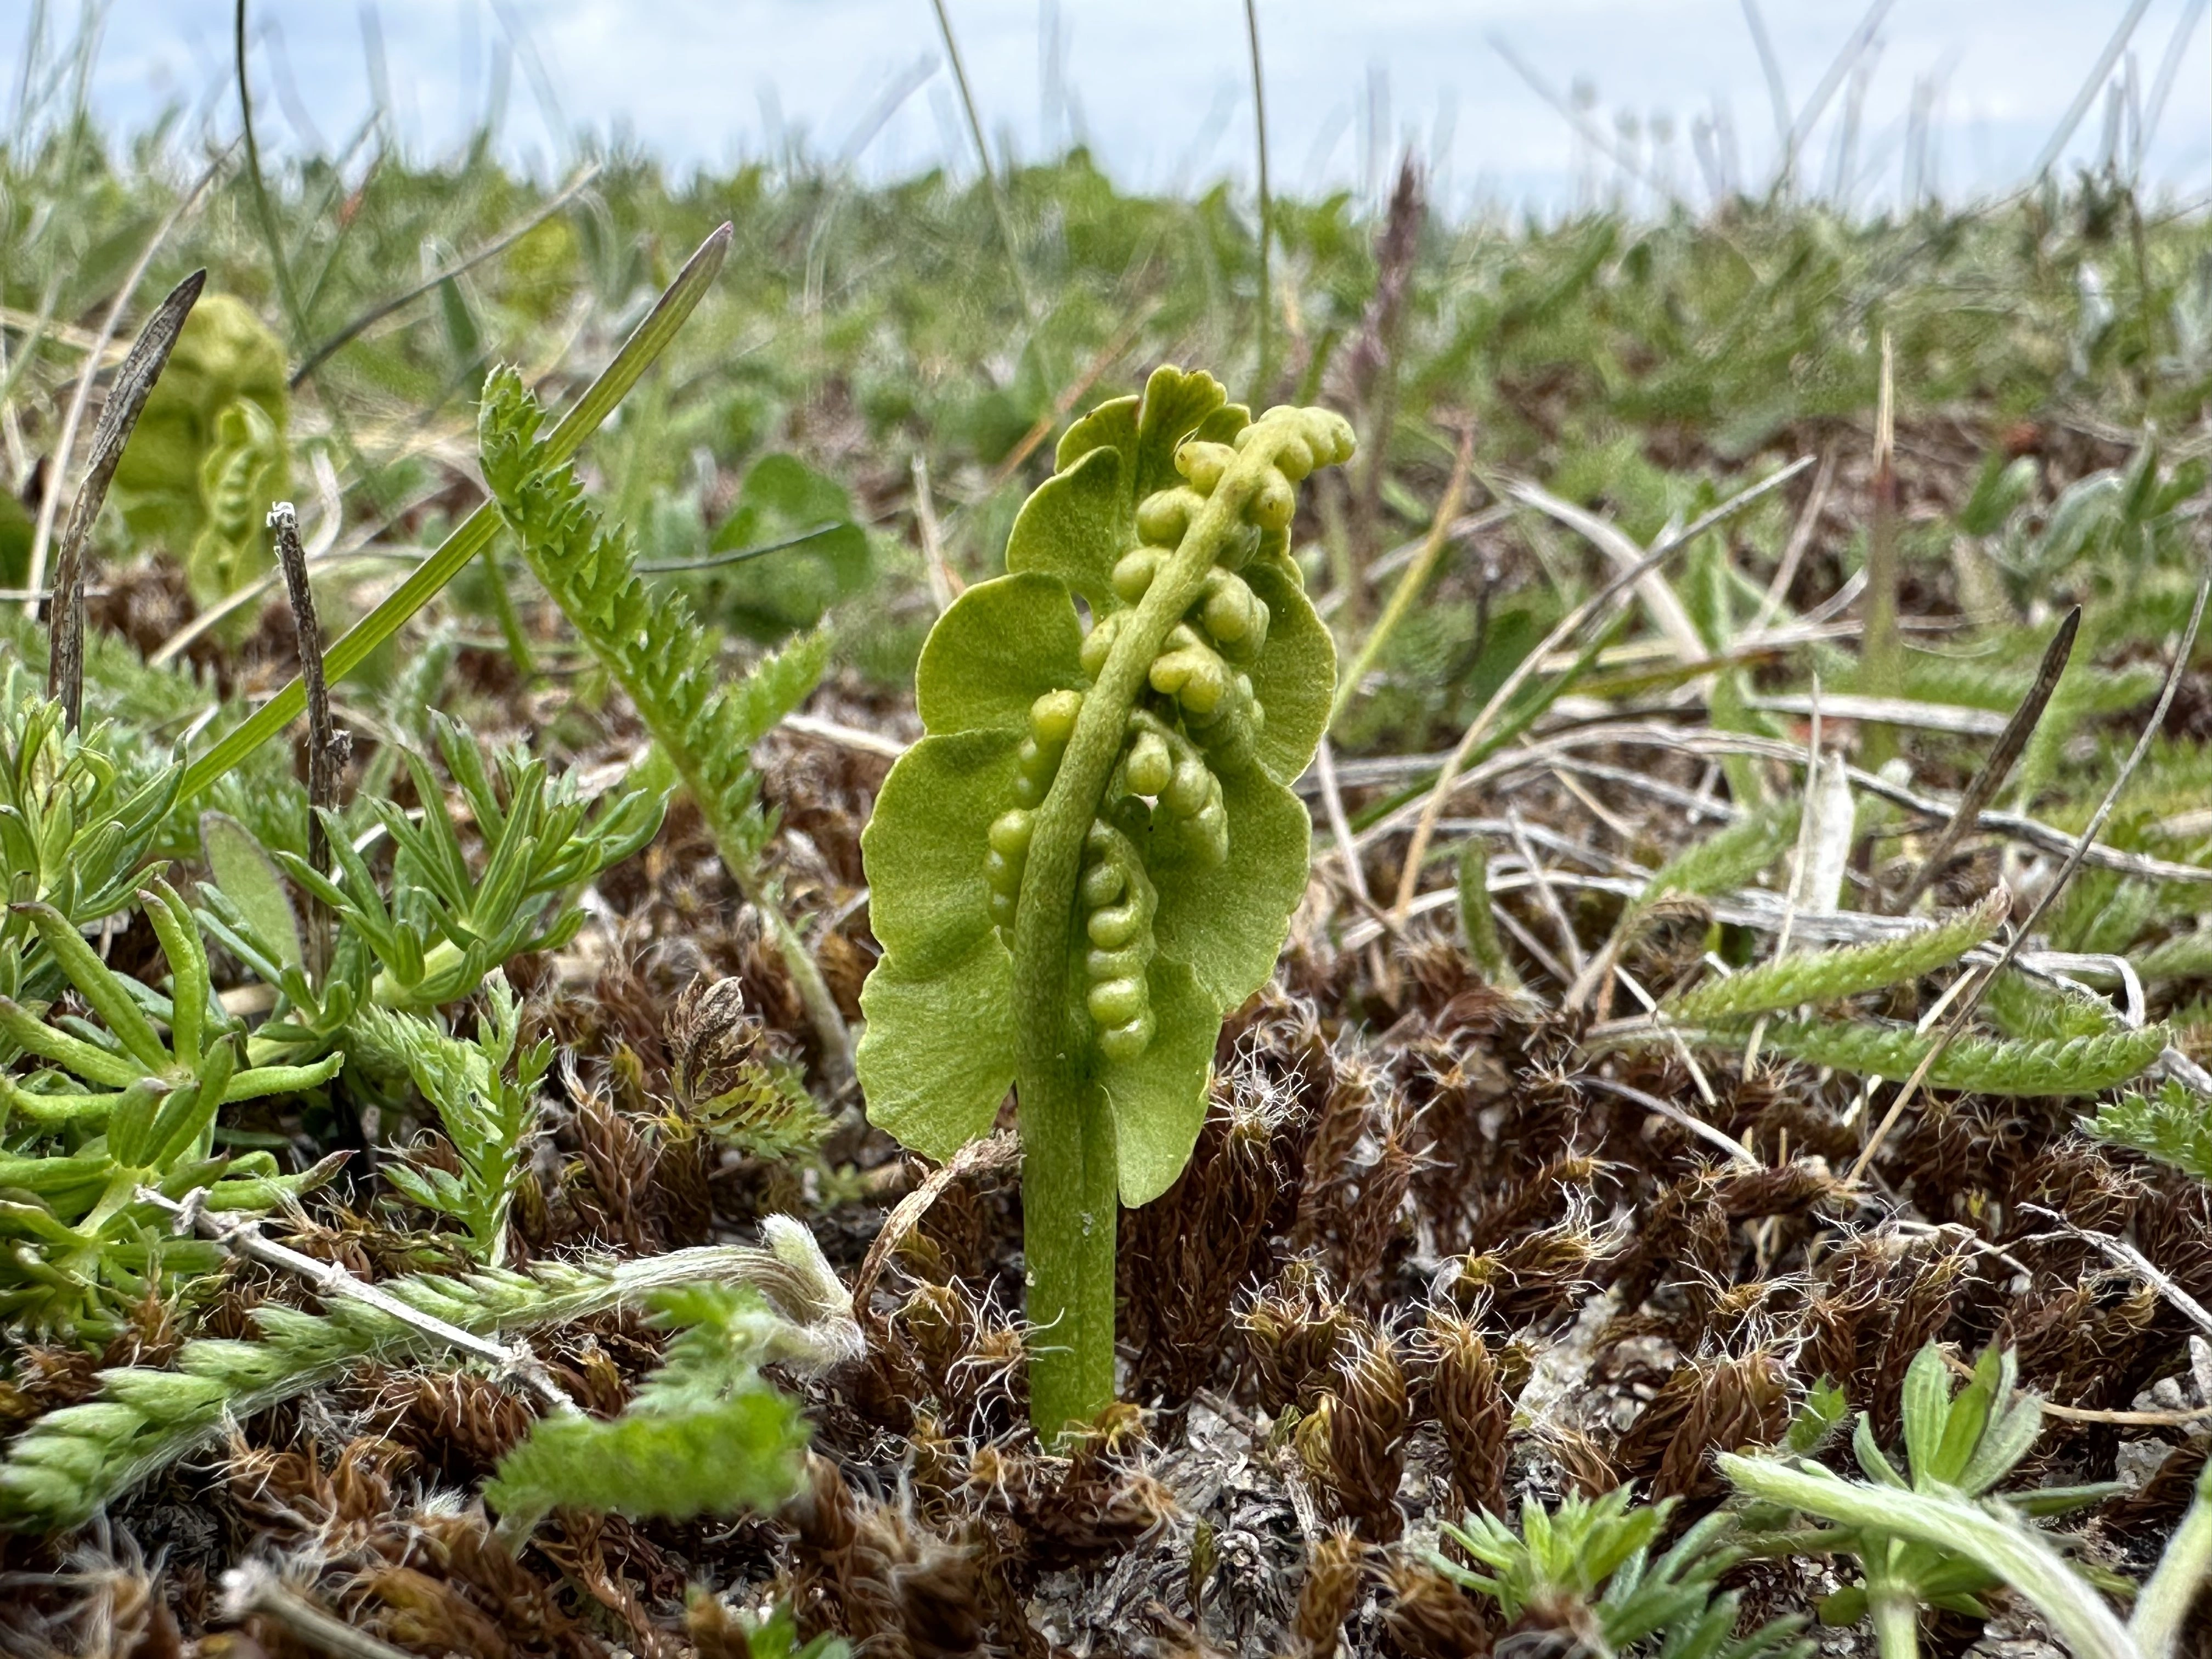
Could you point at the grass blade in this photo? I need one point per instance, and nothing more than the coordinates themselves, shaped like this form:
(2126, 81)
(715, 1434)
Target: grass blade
(376, 313)
(1568, 627)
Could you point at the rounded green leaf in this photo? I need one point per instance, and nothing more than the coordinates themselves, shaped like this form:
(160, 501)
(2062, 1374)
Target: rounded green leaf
(923, 849)
(1082, 519)
(1158, 1099)
(1002, 646)
(1295, 680)
(1075, 526)
(1226, 921)
(1112, 425)
(938, 1056)
(1177, 403)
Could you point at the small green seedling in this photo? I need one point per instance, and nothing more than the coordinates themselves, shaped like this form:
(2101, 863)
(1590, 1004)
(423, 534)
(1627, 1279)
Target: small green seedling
(1930, 1530)
(1095, 852)
(1587, 1567)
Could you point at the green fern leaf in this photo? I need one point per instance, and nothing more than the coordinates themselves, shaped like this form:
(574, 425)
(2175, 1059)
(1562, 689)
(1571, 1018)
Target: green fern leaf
(2171, 1126)
(1976, 1064)
(654, 645)
(1728, 857)
(705, 1435)
(1823, 976)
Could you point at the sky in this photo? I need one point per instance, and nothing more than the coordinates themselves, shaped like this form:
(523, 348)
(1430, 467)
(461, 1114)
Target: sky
(1958, 98)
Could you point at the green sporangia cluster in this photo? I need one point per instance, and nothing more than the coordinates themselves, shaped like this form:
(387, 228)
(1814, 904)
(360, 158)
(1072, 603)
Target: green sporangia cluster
(1094, 853)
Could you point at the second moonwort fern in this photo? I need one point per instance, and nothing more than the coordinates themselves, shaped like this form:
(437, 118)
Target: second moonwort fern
(1094, 851)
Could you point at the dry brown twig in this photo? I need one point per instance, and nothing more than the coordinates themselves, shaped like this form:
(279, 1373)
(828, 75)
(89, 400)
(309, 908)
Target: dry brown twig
(96, 351)
(134, 384)
(255, 1590)
(1002, 1150)
(1997, 765)
(328, 744)
(329, 1279)
(1547, 751)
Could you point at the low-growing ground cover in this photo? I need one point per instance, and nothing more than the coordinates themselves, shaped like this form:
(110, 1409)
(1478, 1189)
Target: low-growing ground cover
(1737, 1012)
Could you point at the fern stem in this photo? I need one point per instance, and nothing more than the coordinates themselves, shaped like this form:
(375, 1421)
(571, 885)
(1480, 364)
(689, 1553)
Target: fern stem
(1070, 1207)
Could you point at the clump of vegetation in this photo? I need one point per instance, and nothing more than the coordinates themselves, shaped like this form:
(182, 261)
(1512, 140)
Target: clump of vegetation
(807, 1021)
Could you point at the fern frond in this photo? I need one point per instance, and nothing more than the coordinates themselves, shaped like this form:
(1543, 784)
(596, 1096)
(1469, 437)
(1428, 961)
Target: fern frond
(1976, 1064)
(488, 1119)
(705, 1435)
(1478, 923)
(2027, 1010)
(741, 1453)
(1822, 976)
(1728, 857)
(2172, 1126)
(2186, 956)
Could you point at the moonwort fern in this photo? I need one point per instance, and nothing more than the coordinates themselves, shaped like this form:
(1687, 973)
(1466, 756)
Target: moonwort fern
(245, 469)
(209, 454)
(667, 661)
(1095, 852)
